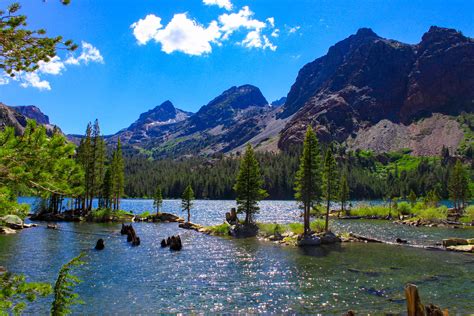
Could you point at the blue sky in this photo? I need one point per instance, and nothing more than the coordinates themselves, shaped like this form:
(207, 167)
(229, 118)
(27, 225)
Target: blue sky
(189, 51)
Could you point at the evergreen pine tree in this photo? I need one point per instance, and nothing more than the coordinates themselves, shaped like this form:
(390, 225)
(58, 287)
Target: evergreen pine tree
(459, 186)
(187, 200)
(158, 199)
(64, 296)
(248, 186)
(344, 192)
(329, 182)
(412, 198)
(118, 176)
(308, 177)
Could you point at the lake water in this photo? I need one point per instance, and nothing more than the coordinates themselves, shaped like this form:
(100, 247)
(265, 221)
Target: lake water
(213, 274)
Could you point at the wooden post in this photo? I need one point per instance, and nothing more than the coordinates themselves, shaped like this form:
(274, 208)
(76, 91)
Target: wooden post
(414, 306)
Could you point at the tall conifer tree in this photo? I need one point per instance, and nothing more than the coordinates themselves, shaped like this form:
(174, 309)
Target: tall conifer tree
(187, 200)
(330, 180)
(249, 185)
(308, 177)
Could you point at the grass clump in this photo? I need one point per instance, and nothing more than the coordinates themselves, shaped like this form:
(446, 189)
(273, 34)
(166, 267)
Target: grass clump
(145, 214)
(219, 230)
(432, 213)
(107, 214)
(468, 216)
(372, 210)
(268, 229)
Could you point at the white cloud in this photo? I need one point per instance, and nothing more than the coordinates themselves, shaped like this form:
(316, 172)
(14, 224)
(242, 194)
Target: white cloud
(4, 79)
(88, 54)
(32, 79)
(146, 29)
(181, 34)
(54, 67)
(186, 35)
(242, 19)
(293, 29)
(271, 20)
(255, 40)
(226, 4)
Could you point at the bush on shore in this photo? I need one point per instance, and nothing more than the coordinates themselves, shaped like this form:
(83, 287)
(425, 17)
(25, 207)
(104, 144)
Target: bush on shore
(295, 228)
(106, 214)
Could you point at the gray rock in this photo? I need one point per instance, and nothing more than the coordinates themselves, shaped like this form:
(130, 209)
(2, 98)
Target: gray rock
(309, 241)
(329, 238)
(12, 221)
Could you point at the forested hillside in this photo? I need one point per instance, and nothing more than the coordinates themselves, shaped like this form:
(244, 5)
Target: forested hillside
(370, 175)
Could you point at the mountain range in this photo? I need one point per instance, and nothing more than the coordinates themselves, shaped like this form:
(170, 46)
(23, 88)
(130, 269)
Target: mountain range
(367, 92)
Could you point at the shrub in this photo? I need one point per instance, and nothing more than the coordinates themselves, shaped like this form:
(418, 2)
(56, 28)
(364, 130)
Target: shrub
(433, 213)
(219, 230)
(404, 208)
(371, 210)
(318, 225)
(468, 216)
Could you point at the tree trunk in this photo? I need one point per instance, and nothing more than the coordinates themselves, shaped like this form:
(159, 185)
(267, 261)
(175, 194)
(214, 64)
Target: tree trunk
(189, 216)
(326, 227)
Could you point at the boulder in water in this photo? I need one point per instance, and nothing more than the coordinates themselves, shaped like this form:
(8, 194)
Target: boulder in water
(309, 241)
(243, 231)
(100, 244)
(175, 243)
(163, 243)
(401, 241)
(329, 238)
(12, 221)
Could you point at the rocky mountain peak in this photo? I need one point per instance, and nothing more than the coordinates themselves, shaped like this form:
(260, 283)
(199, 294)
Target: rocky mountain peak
(240, 97)
(365, 32)
(32, 112)
(441, 38)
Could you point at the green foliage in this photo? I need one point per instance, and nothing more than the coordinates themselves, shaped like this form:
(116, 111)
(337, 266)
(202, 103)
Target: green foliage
(22, 49)
(9, 204)
(107, 214)
(187, 200)
(432, 213)
(37, 165)
(468, 216)
(330, 181)
(412, 198)
(371, 210)
(158, 199)
(404, 208)
(15, 292)
(268, 229)
(219, 230)
(64, 296)
(248, 186)
(308, 176)
(458, 188)
(344, 191)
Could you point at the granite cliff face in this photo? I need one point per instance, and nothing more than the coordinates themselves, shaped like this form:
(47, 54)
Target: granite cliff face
(17, 116)
(32, 112)
(365, 79)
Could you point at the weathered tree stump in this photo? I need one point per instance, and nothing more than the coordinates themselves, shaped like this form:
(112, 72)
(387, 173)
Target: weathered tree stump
(100, 244)
(414, 306)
